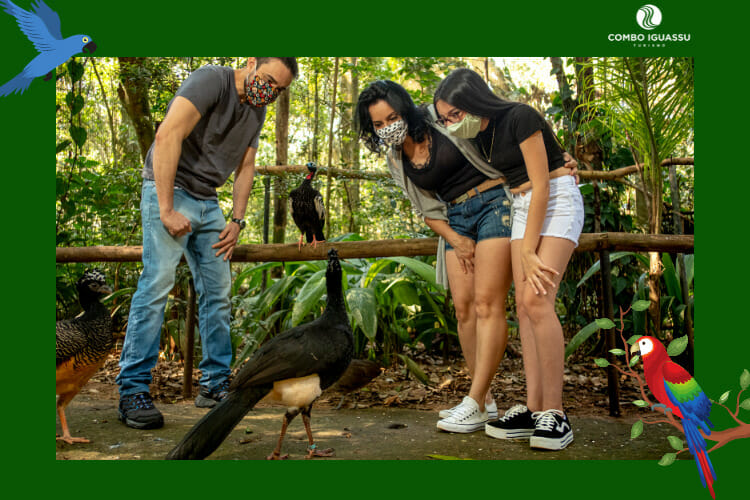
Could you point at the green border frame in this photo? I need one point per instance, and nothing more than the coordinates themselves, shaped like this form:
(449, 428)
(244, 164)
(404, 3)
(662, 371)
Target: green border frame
(150, 28)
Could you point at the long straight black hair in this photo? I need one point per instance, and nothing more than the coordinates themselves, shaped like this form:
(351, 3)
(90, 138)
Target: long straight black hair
(401, 102)
(466, 90)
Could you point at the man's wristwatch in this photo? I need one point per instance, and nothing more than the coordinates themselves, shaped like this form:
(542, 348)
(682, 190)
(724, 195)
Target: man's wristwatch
(239, 222)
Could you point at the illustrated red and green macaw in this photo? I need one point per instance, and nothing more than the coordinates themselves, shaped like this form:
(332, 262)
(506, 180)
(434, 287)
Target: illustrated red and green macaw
(677, 391)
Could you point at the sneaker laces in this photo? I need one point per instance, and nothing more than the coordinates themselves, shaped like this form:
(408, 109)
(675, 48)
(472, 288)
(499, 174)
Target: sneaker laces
(513, 411)
(545, 420)
(463, 411)
(139, 401)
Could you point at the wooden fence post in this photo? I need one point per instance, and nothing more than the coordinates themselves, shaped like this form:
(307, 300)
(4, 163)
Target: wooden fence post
(187, 375)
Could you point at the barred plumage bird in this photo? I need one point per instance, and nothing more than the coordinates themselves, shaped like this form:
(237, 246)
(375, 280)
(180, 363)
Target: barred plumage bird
(308, 210)
(82, 345)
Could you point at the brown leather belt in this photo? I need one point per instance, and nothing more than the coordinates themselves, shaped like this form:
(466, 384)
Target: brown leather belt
(488, 184)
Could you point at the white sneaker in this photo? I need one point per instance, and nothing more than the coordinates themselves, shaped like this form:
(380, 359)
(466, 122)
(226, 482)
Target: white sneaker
(490, 407)
(465, 418)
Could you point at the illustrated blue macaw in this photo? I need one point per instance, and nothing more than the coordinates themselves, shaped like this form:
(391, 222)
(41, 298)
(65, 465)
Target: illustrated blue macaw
(42, 28)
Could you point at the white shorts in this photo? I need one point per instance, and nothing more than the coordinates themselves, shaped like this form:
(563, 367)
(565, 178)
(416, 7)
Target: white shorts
(564, 218)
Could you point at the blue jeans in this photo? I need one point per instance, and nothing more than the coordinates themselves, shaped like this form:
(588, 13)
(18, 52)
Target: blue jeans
(212, 278)
(484, 216)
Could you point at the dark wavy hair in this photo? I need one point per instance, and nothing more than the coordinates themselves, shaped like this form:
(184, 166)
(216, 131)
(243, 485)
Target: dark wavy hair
(289, 62)
(466, 90)
(401, 102)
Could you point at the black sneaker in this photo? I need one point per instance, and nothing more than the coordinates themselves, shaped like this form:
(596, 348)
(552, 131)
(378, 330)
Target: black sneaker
(518, 422)
(553, 431)
(138, 411)
(208, 398)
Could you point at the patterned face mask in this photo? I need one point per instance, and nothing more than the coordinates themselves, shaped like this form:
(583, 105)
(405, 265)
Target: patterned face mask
(260, 93)
(394, 134)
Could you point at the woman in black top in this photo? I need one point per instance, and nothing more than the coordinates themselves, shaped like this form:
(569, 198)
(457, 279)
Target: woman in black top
(547, 221)
(476, 227)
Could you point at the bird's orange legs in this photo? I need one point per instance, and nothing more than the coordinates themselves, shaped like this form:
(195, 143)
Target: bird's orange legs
(61, 403)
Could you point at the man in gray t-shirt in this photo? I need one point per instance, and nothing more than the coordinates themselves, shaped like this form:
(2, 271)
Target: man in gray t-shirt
(211, 129)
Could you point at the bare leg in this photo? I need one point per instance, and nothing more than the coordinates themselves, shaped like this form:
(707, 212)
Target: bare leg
(542, 335)
(462, 291)
(491, 284)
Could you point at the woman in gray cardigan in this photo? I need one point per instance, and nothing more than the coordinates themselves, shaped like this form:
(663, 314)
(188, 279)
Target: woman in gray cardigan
(463, 200)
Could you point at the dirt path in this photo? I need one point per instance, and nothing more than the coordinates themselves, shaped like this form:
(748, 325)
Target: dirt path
(355, 434)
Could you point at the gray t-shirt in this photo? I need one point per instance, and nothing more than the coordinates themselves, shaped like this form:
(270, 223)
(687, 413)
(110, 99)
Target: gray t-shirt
(217, 144)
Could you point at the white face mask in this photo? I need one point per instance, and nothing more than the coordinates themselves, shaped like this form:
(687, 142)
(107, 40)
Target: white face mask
(468, 128)
(394, 134)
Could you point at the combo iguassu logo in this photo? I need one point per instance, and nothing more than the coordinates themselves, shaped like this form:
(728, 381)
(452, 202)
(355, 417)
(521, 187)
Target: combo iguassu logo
(648, 17)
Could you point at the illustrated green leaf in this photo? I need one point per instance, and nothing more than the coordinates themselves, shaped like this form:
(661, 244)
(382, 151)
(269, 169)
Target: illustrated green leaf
(745, 405)
(641, 305)
(640, 403)
(724, 397)
(617, 352)
(675, 443)
(634, 360)
(605, 323)
(636, 430)
(677, 346)
(745, 380)
(601, 362)
(632, 340)
(667, 459)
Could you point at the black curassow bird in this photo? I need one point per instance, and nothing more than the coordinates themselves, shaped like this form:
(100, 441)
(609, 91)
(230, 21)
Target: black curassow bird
(308, 210)
(82, 345)
(292, 368)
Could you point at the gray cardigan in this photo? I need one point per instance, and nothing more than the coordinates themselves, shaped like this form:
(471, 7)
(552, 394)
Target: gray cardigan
(426, 203)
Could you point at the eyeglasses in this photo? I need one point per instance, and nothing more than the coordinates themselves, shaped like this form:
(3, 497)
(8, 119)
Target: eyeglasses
(453, 116)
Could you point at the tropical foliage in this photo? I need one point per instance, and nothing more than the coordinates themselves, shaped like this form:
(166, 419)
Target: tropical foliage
(109, 108)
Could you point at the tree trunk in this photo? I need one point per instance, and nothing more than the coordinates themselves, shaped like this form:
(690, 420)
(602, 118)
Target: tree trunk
(133, 94)
(351, 153)
(280, 187)
(674, 186)
(328, 201)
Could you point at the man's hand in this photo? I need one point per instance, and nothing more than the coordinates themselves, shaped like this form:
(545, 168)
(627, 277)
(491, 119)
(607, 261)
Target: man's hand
(227, 240)
(176, 224)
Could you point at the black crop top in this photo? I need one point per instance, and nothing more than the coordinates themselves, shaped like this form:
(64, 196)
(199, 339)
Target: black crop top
(448, 173)
(510, 130)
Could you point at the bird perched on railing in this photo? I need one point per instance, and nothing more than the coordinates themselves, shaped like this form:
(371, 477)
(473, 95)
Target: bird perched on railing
(82, 345)
(293, 368)
(677, 391)
(308, 210)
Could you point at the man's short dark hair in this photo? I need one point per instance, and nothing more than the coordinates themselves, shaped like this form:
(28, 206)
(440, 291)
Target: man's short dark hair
(289, 62)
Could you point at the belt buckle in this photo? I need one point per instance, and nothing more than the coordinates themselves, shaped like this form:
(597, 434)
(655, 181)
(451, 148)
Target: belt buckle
(460, 199)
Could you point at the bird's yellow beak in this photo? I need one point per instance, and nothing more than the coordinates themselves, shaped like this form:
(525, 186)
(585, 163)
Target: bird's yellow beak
(635, 348)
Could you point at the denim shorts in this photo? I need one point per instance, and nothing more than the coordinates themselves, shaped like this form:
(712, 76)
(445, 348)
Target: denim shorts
(484, 216)
(564, 218)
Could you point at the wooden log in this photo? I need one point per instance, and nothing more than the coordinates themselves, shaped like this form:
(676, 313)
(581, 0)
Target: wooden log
(322, 171)
(602, 175)
(381, 248)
